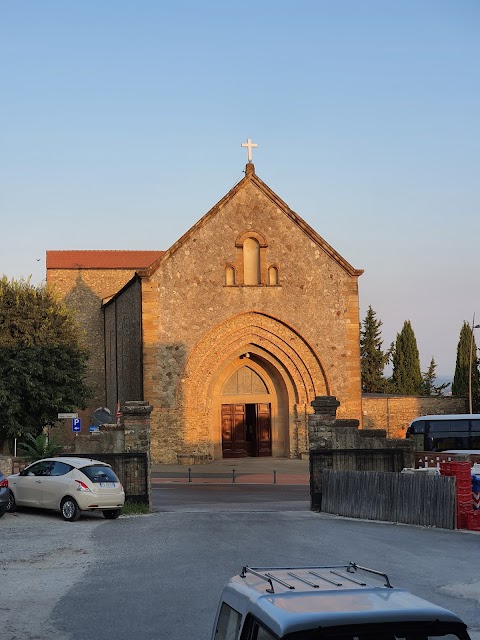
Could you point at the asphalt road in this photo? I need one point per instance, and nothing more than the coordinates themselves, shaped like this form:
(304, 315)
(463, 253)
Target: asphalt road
(160, 576)
(230, 497)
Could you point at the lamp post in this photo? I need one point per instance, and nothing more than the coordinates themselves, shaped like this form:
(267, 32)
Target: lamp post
(474, 326)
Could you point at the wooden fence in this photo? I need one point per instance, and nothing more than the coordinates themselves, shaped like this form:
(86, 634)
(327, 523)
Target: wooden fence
(422, 499)
(389, 459)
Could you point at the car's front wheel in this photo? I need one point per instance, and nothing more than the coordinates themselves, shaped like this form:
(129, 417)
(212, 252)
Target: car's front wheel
(112, 514)
(70, 509)
(12, 505)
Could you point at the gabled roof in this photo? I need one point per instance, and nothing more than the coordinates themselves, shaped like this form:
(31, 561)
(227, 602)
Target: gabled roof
(252, 178)
(101, 259)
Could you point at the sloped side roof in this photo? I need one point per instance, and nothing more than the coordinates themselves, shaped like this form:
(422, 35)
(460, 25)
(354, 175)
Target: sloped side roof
(101, 259)
(251, 177)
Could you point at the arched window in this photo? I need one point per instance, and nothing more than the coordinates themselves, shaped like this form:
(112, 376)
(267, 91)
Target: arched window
(251, 264)
(272, 276)
(251, 261)
(230, 276)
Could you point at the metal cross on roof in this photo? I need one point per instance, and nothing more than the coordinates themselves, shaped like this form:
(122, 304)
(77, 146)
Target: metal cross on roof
(250, 145)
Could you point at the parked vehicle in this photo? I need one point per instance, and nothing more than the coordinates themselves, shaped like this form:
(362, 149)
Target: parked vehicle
(70, 485)
(327, 603)
(442, 433)
(3, 494)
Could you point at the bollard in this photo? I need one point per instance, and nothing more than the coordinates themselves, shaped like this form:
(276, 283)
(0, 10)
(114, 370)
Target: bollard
(189, 474)
(233, 475)
(274, 476)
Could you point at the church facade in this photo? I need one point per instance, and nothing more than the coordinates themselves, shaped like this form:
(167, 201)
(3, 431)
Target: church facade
(229, 334)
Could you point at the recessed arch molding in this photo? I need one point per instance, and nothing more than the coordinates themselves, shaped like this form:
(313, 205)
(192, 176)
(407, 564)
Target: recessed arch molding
(295, 358)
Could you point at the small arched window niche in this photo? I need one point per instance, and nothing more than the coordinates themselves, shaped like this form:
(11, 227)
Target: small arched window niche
(230, 276)
(251, 259)
(273, 275)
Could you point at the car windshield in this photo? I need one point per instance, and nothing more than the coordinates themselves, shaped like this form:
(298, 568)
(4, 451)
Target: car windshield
(403, 631)
(99, 473)
(392, 636)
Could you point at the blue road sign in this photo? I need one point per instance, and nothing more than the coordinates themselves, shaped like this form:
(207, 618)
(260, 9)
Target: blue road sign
(76, 424)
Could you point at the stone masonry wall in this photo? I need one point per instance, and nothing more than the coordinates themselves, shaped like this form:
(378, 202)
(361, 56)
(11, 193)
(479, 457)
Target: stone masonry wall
(108, 439)
(187, 297)
(6, 465)
(327, 432)
(83, 290)
(394, 413)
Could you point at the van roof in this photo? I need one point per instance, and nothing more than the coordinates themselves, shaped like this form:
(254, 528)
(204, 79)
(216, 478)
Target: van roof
(453, 416)
(288, 600)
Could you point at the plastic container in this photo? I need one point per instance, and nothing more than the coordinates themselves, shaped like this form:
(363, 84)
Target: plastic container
(462, 522)
(473, 520)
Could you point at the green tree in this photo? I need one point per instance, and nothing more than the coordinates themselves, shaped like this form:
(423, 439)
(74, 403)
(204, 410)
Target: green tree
(42, 365)
(460, 385)
(429, 378)
(406, 376)
(372, 357)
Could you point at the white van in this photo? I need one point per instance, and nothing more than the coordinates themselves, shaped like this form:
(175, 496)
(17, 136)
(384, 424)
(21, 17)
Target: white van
(327, 603)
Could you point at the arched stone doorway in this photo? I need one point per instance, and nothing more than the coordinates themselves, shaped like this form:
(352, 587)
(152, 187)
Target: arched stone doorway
(286, 375)
(250, 408)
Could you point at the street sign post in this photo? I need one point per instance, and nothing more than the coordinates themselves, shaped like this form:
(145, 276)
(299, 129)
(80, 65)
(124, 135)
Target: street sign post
(76, 424)
(66, 416)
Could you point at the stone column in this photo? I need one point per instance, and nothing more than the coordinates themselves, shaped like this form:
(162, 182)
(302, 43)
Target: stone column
(322, 422)
(136, 423)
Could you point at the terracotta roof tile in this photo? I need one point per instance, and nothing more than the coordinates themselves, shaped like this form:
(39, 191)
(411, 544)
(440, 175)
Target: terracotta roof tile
(101, 259)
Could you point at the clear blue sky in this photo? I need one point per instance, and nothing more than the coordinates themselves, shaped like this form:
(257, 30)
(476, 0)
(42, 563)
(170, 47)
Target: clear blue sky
(122, 123)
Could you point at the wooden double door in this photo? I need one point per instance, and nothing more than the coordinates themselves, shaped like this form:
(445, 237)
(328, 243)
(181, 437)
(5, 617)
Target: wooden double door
(246, 430)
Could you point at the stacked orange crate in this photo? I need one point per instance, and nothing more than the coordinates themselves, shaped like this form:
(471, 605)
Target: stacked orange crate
(463, 478)
(473, 521)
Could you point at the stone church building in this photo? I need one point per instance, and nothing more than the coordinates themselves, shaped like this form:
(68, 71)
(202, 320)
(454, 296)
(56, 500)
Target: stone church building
(229, 334)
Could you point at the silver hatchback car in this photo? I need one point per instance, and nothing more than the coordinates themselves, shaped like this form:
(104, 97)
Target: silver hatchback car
(68, 485)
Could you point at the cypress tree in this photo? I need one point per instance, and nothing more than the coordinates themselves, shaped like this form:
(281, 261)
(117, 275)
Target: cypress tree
(372, 357)
(460, 386)
(407, 377)
(429, 377)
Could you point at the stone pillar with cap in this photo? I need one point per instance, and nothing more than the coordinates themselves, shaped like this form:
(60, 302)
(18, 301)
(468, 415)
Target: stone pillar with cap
(322, 422)
(136, 423)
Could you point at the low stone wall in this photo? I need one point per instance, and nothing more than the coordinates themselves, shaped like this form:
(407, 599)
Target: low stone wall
(394, 413)
(6, 465)
(325, 431)
(108, 439)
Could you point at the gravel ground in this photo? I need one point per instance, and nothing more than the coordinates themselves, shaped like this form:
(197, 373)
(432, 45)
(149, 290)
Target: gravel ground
(41, 558)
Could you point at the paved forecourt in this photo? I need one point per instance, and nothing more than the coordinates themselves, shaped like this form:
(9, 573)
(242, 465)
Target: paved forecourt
(281, 471)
